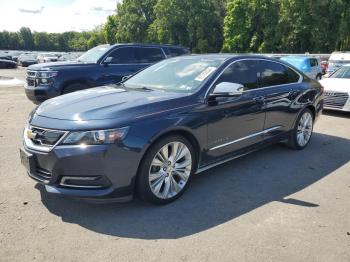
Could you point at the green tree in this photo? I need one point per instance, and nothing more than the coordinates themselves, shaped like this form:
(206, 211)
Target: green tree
(133, 19)
(26, 38)
(110, 29)
(196, 24)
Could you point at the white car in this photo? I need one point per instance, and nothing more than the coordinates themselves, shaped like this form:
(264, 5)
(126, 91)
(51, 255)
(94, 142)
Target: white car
(46, 57)
(337, 90)
(337, 60)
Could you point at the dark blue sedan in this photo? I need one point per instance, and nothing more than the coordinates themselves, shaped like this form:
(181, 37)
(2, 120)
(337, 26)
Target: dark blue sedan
(152, 133)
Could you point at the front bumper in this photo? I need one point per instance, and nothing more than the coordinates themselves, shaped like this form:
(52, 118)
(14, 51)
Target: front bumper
(99, 173)
(40, 93)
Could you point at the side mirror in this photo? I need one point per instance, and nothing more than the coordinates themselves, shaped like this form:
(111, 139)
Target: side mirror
(227, 89)
(107, 60)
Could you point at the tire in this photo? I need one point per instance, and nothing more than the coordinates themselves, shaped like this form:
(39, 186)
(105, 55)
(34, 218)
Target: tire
(318, 77)
(74, 87)
(165, 184)
(302, 130)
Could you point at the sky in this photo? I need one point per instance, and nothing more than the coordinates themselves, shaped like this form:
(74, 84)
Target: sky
(54, 16)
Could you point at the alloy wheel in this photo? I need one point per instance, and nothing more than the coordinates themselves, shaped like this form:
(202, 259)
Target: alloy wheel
(170, 170)
(304, 130)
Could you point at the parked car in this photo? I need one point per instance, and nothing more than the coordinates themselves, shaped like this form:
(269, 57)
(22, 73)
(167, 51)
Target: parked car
(46, 58)
(4, 63)
(68, 57)
(337, 89)
(104, 64)
(337, 60)
(151, 133)
(27, 59)
(310, 66)
(15, 55)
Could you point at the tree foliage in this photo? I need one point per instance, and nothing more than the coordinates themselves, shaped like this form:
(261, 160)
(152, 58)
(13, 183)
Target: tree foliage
(287, 26)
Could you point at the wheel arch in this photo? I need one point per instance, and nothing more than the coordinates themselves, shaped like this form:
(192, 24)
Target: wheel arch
(179, 131)
(86, 82)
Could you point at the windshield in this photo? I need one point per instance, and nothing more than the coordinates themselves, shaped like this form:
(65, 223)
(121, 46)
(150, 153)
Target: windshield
(94, 54)
(182, 74)
(343, 72)
(296, 62)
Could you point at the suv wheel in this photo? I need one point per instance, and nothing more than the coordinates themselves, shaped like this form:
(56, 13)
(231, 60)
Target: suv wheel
(302, 131)
(166, 170)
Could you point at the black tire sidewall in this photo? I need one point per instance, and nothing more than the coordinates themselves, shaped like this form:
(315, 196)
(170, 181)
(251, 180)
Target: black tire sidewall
(142, 182)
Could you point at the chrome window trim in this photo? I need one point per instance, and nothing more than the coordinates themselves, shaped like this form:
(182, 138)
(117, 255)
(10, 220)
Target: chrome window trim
(29, 144)
(161, 49)
(263, 132)
(301, 78)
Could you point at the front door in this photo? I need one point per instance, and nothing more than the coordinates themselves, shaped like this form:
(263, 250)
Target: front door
(236, 122)
(123, 63)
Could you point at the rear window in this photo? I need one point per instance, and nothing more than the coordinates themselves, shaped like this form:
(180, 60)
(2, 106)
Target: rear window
(148, 54)
(273, 74)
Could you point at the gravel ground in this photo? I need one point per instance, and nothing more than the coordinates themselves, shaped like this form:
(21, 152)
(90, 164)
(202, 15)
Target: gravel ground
(273, 205)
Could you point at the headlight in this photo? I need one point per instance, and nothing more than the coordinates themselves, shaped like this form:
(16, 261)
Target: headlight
(96, 137)
(47, 74)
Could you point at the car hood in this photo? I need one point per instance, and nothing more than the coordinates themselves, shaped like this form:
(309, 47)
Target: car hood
(107, 102)
(336, 84)
(59, 65)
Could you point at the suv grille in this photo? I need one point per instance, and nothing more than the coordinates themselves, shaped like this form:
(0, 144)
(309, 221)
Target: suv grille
(31, 78)
(335, 99)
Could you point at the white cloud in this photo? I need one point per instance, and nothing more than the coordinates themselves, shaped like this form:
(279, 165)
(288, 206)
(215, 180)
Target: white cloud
(54, 16)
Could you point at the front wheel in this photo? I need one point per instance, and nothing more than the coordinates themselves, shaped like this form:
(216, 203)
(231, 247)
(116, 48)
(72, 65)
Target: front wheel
(166, 170)
(302, 131)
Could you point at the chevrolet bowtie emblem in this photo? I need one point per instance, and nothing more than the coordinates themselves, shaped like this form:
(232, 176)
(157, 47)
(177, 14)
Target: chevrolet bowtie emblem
(31, 135)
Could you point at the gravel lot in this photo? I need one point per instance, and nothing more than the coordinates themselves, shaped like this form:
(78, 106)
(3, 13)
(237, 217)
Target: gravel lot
(273, 205)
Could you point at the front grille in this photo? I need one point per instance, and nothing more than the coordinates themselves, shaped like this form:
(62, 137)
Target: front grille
(335, 99)
(46, 137)
(31, 81)
(31, 78)
(42, 139)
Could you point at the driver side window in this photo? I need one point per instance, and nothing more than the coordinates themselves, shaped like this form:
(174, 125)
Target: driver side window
(241, 72)
(123, 55)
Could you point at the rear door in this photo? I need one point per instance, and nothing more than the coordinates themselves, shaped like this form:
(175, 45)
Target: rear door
(281, 85)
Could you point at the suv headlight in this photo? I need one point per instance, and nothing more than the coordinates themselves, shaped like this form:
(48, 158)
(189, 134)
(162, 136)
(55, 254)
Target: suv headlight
(47, 74)
(96, 137)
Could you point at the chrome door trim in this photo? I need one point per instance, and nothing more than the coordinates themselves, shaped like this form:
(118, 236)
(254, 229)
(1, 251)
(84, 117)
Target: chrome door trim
(265, 131)
(261, 88)
(202, 169)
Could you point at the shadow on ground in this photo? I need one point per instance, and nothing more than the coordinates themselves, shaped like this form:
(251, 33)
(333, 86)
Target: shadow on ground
(216, 196)
(334, 113)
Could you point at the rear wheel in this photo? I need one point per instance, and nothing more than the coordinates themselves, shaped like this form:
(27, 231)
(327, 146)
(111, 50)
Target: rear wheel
(166, 170)
(302, 131)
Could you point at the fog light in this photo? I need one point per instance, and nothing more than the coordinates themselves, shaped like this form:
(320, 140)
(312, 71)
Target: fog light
(89, 182)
